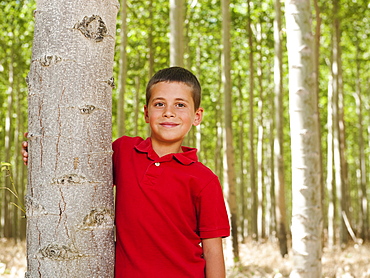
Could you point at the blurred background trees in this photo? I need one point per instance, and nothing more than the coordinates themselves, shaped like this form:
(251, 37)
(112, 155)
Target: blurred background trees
(256, 74)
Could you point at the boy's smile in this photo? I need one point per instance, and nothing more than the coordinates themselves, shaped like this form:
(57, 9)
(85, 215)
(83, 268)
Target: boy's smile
(171, 114)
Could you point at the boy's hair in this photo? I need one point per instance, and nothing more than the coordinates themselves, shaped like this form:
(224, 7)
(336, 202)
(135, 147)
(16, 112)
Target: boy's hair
(176, 74)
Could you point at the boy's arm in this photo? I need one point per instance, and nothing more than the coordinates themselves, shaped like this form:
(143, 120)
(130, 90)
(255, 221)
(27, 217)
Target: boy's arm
(214, 257)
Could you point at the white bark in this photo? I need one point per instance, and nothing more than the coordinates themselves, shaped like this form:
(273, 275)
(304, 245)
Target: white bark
(69, 199)
(306, 175)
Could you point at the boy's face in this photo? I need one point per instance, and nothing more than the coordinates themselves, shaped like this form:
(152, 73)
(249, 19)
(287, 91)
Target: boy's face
(170, 112)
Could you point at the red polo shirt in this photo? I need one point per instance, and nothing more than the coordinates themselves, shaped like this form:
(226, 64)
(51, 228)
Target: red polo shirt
(165, 206)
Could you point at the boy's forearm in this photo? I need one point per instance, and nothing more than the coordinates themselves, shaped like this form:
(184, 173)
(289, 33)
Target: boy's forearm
(214, 257)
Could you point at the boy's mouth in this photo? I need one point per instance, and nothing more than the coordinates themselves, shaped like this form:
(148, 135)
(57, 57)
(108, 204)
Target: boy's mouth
(169, 124)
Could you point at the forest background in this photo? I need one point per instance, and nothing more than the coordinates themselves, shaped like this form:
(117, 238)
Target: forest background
(341, 30)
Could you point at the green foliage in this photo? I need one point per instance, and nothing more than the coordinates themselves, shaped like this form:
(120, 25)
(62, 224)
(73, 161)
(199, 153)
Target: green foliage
(203, 48)
(6, 169)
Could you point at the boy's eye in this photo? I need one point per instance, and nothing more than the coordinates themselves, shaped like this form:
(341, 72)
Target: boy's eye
(180, 105)
(159, 104)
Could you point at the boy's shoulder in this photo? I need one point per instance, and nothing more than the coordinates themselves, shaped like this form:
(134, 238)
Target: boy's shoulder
(126, 140)
(201, 170)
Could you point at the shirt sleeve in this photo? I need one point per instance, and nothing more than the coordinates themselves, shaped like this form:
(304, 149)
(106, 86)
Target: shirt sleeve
(213, 220)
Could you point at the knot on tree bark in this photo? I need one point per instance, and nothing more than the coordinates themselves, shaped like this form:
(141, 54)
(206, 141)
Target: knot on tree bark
(87, 109)
(70, 179)
(48, 60)
(92, 27)
(98, 217)
(110, 82)
(59, 252)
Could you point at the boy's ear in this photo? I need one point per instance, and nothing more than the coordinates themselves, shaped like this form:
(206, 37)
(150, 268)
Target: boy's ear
(146, 115)
(198, 116)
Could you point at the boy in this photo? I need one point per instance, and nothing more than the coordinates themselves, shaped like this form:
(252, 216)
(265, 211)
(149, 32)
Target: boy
(170, 211)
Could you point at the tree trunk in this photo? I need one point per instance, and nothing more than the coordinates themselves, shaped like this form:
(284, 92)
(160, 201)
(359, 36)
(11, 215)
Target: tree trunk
(229, 166)
(8, 197)
(306, 176)
(337, 139)
(330, 169)
(242, 183)
(122, 71)
(69, 200)
(150, 40)
(177, 32)
(137, 105)
(260, 138)
(317, 90)
(252, 164)
(279, 140)
(362, 195)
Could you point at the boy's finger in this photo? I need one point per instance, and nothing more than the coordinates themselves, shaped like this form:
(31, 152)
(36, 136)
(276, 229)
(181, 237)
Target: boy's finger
(25, 146)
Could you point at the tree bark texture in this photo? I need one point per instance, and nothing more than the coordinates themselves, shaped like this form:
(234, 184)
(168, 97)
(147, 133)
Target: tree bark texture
(306, 175)
(69, 201)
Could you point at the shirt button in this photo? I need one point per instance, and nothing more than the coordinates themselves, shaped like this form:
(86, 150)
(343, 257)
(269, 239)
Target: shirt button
(157, 164)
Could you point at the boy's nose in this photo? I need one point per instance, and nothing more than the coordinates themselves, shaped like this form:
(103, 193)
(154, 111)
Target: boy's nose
(168, 112)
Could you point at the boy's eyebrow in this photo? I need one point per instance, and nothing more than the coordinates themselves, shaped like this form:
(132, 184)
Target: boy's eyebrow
(177, 99)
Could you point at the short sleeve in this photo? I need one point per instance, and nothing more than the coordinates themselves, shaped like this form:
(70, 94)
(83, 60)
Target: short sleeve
(213, 220)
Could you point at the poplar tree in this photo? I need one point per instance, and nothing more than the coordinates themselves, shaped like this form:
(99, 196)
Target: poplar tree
(69, 200)
(306, 175)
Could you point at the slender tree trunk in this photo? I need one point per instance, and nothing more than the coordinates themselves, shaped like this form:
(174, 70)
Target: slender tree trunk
(16, 167)
(330, 169)
(219, 132)
(278, 141)
(69, 200)
(252, 166)
(229, 172)
(261, 185)
(270, 187)
(122, 71)
(260, 138)
(177, 32)
(342, 141)
(242, 185)
(198, 130)
(8, 197)
(306, 176)
(138, 106)
(363, 214)
(150, 40)
(337, 144)
(19, 177)
(317, 89)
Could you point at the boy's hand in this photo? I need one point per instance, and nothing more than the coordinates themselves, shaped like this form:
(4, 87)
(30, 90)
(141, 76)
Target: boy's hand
(24, 150)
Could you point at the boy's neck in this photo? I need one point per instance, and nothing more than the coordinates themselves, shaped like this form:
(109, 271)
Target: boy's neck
(163, 149)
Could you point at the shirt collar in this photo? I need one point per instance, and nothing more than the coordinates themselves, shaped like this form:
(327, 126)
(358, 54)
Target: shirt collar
(188, 156)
